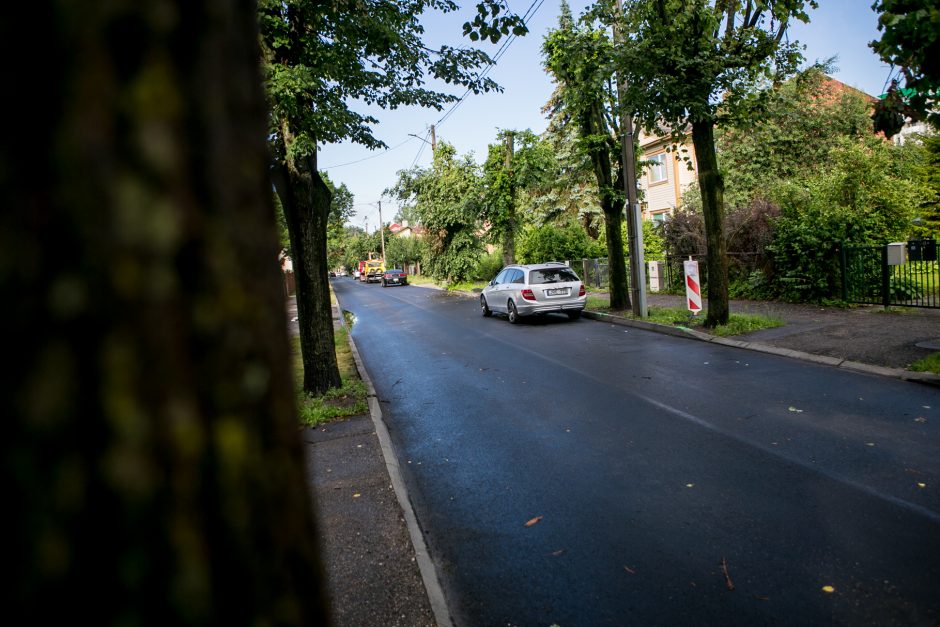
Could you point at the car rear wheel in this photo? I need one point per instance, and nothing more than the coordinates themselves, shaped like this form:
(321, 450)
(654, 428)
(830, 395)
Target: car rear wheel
(485, 308)
(511, 313)
(574, 315)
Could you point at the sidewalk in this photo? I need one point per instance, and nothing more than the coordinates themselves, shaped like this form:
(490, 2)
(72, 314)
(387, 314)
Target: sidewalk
(368, 535)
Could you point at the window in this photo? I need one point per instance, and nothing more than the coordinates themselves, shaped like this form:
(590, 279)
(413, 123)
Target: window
(660, 218)
(657, 168)
(501, 277)
(517, 277)
(562, 275)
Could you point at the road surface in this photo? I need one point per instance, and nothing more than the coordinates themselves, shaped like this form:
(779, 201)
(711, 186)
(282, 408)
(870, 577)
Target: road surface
(581, 473)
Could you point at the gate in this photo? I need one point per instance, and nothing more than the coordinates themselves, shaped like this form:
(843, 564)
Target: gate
(899, 275)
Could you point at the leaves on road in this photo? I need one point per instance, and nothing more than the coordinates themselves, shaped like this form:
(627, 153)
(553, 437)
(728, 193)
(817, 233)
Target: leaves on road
(724, 569)
(795, 410)
(828, 589)
(533, 521)
(629, 570)
(558, 553)
(920, 419)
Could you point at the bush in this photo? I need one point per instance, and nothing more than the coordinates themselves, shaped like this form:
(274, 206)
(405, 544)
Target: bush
(488, 266)
(551, 242)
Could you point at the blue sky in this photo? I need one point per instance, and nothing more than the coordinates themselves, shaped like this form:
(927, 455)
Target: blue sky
(840, 28)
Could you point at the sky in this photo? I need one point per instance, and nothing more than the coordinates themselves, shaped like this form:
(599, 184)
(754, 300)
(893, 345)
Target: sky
(838, 28)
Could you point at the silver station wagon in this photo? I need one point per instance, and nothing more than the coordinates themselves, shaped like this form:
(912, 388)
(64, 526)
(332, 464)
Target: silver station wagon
(526, 290)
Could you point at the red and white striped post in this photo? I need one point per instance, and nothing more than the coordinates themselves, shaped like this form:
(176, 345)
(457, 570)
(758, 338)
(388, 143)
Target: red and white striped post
(693, 288)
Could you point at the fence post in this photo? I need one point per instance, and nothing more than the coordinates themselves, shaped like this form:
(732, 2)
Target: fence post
(885, 278)
(845, 273)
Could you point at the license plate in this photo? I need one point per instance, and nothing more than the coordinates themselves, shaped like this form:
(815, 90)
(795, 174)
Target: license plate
(557, 291)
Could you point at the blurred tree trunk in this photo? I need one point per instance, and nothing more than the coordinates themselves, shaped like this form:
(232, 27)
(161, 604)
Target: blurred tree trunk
(152, 450)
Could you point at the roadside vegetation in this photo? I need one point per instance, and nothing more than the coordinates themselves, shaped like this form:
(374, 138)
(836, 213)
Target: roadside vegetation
(679, 317)
(349, 399)
(930, 363)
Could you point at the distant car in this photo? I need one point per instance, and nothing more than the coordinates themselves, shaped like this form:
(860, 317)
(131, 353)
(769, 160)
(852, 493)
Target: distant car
(526, 290)
(332, 274)
(394, 277)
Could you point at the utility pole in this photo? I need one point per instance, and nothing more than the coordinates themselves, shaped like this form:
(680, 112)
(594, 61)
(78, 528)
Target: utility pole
(382, 231)
(634, 220)
(433, 141)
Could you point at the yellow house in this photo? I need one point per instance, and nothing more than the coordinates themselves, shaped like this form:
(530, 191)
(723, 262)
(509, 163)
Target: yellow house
(668, 176)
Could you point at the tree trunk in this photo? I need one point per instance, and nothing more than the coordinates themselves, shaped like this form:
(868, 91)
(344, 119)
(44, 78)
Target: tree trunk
(612, 206)
(712, 187)
(151, 454)
(306, 201)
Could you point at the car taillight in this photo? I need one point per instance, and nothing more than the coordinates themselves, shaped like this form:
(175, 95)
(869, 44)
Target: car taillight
(528, 295)
(581, 291)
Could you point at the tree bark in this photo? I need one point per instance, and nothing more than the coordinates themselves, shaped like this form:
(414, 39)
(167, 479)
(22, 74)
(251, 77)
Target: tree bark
(151, 453)
(712, 187)
(612, 206)
(306, 201)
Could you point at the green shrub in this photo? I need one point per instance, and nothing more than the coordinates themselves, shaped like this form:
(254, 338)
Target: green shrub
(551, 242)
(488, 266)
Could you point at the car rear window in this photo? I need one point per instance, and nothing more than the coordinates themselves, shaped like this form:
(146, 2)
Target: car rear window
(552, 275)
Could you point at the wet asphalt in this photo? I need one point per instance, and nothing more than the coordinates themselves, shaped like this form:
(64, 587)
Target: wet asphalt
(664, 481)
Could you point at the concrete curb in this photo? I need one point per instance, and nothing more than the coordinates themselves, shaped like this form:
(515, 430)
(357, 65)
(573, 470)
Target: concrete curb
(432, 584)
(896, 373)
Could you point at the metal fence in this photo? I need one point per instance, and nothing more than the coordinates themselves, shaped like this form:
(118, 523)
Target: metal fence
(899, 275)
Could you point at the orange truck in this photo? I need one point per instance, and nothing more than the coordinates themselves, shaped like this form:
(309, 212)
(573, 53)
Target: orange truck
(373, 271)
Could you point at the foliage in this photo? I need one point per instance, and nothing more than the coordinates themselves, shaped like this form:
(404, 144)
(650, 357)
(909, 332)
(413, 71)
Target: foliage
(654, 246)
(488, 266)
(930, 363)
(803, 119)
(551, 242)
(869, 196)
(401, 251)
(910, 41)
(571, 192)
(507, 174)
(677, 316)
(446, 197)
(322, 57)
(928, 171)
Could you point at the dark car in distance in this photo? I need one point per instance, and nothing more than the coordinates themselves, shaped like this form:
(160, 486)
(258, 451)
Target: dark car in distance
(394, 277)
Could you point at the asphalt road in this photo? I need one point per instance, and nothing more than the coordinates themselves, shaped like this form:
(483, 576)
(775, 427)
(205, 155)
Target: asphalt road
(661, 472)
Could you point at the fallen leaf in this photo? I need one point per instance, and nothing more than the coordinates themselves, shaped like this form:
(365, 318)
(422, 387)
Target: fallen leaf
(920, 419)
(689, 485)
(869, 443)
(794, 409)
(921, 485)
(558, 552)
(761, 597)
(629, 570)
(356, 495)
(533, 521)
(724, 569)
(926, 406)
(828, 589)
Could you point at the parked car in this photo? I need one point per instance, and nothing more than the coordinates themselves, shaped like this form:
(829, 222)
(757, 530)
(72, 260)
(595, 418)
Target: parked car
(394, 277)
(525, 290)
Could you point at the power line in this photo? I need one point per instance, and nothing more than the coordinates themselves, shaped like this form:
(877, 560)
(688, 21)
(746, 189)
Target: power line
(339, 165)
(529, 14)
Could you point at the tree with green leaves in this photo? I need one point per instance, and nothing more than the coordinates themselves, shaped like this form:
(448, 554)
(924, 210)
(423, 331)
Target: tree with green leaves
(518, 163)
(447, 199)
(579, 59)
(690, 65)
(571, 192)
(910, 41)
(319, 59)
(151, 452)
